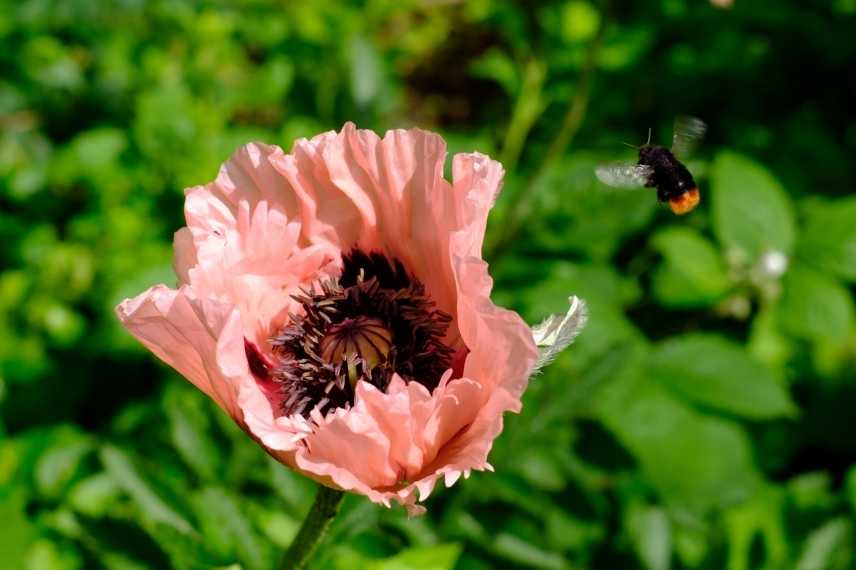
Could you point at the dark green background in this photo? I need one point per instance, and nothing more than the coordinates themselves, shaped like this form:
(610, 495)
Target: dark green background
(705, 418)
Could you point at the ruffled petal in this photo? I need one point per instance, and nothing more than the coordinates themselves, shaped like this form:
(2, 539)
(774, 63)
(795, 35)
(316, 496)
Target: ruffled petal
(184, 332)
(386, 194)
(349, 447)
(257, 265)
(184, 255)
(249, 246)
(389, 445)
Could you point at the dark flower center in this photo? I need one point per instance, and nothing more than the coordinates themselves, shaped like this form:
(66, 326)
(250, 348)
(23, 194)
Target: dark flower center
(371, 323)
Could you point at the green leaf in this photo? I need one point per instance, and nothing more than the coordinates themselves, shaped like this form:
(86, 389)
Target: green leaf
(58, 465)
(525, 553)
(541, 469)
(294, 489)
(815, 306)
(120, 466)
(697, 462)
(693, 274)
(437, 557)
(828, 240)
(829, 547)
(572, 211)
(651, 535)
(767, 342)
(850, 487)
(190, 431)
(94, 495)
(226, 528)
(16, 530)
(90, 154)
(356, 516)
(580, 21)
(121, 543)
(713, 371)
(366, 71)
(759, 519)
(497, 65)
(185, 550)
(751, 211)
(47, 555)
(566, 532)
(691, 543)
(271, 82)
(603, 289)
(277, 526)
(811, 491)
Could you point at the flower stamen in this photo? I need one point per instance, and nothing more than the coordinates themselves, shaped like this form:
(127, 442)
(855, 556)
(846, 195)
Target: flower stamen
(374, 321)
(366, 338)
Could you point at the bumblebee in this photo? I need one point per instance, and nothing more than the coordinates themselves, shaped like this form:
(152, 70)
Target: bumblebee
(659, 167)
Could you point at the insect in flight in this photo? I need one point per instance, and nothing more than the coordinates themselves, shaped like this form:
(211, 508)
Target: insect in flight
(659, 167)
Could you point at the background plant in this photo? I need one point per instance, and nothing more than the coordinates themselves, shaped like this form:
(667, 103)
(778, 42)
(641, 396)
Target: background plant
(704, 419)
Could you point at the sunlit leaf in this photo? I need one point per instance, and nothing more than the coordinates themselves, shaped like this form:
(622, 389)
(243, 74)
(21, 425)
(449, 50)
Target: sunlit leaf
(712, 371)
(191, 430)
(366, 71)
(828, 240)
(650, 533)
(751, 211)
(437, 557)
(16, 530)
(758, 521)
(526, 553)
(696, 461)
(227, 529)
(693, 273)
(815, 306)
(829, 547)
(47, 555)
(126, 474)
(94, 495)
(850, 487)
(59, 464)
(580, 21)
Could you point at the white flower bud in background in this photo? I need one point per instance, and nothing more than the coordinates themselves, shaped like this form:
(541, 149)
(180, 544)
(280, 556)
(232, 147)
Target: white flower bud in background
(773, 264)
(767, 272)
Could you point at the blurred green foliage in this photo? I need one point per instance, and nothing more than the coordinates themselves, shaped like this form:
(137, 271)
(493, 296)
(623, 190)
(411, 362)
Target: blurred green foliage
(703, 420)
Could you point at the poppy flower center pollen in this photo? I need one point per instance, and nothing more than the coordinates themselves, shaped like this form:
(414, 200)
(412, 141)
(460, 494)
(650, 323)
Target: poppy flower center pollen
(374, 321)
(362, 339)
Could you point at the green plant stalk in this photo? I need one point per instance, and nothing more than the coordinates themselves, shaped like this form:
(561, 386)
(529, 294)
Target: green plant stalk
(520, 203)
(313, 530)
(529, 106)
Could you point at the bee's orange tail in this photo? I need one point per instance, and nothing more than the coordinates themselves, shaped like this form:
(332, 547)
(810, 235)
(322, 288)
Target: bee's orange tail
(685, 203)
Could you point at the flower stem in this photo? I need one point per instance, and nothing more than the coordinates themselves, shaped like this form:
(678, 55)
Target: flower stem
(314, 528)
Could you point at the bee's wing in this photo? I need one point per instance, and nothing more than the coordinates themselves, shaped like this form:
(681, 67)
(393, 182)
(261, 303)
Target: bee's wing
(623, 174)
(688, 132)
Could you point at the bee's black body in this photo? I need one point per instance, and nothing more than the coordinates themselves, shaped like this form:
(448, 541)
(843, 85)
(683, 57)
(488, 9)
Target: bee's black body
(668, 175)
(659, 168)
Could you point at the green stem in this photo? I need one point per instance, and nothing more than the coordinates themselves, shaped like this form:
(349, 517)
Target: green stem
(527, 109)
(314, 528)
(520, 203)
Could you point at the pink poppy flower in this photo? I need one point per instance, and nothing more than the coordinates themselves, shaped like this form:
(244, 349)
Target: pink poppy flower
(334, 302)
